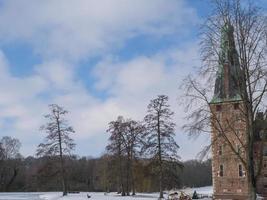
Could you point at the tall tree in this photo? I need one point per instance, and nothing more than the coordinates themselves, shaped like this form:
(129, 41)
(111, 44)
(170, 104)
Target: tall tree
(115, 147)
(58, 141)
(125, 144)
(132, 140)
(247, 27)
(160, 134)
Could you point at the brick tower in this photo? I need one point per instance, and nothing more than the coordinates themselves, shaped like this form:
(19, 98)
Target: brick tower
(228, 128)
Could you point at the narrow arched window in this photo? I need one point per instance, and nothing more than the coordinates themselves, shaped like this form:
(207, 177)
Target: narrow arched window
(221, 170)
(240, 170)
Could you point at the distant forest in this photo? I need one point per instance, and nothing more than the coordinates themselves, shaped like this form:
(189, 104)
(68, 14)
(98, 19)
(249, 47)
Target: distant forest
(95, 174)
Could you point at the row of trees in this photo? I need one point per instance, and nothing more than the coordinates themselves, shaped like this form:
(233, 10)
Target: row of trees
(93, 174)
(151, 139)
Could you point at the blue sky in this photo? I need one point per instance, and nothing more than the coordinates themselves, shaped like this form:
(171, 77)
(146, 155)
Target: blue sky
(98, 59)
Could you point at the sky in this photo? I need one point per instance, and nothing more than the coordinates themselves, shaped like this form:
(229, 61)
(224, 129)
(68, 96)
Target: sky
(97, 59)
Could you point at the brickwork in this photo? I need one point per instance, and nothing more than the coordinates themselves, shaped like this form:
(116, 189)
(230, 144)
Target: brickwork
(228, 131)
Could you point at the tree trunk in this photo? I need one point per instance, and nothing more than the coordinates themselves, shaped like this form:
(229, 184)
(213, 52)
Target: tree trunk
(121, 175)
(252, 192)
(62, 171)
(160, 179)
(128, 175)
(133, 185)
(15, 173)
(160, 161)
(251, 168)
(251, 176)
(250, 154)
(132, 175)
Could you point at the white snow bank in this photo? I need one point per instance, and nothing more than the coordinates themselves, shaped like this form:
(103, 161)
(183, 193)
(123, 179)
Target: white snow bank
(114, 196)
(97, 196)
(19, 195)
(202, 190)
(94, 195)
(50, 195)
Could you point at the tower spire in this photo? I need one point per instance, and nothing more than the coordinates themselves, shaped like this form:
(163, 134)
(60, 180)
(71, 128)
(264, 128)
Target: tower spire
(227, 78)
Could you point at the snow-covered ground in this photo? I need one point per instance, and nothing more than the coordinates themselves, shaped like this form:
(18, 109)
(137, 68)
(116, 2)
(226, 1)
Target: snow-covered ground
(97, 196)
(94, 195)
(203, 190)
(20, 196)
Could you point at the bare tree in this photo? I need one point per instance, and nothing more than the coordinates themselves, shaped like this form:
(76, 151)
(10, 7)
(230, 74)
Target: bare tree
(57, 142)
(133, 141)
(10, 155)
(235, 34)
(116, 147)
(125, 144)
(10, 146)
(160, 144)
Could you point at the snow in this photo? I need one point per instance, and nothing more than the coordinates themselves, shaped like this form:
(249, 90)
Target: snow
(19, 196)
(202, 190)
(94, 195)
(98, 196)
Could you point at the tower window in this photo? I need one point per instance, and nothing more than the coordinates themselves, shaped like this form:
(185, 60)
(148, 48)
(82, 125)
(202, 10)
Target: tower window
(236, 106)
(221, 171)
(240, 170)
(218, 108)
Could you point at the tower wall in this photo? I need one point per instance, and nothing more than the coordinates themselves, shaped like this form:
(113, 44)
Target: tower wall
(229, 182)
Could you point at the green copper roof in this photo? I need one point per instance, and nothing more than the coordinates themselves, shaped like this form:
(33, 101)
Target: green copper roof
(228, 57)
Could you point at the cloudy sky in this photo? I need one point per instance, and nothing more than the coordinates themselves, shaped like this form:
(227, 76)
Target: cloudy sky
(97, 58)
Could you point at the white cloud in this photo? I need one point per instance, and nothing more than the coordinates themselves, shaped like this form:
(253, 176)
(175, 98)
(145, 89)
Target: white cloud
(130, 84)
(66, 31)
(144, 75)
(56, 72)
(76, 29)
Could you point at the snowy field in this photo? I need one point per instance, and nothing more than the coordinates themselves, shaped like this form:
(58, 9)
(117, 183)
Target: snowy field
(94, 195)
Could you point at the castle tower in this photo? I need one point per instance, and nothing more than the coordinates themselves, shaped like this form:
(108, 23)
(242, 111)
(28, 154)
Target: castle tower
(228, 128)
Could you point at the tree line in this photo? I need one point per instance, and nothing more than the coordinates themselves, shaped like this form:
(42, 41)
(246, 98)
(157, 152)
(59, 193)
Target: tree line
(32, 174)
